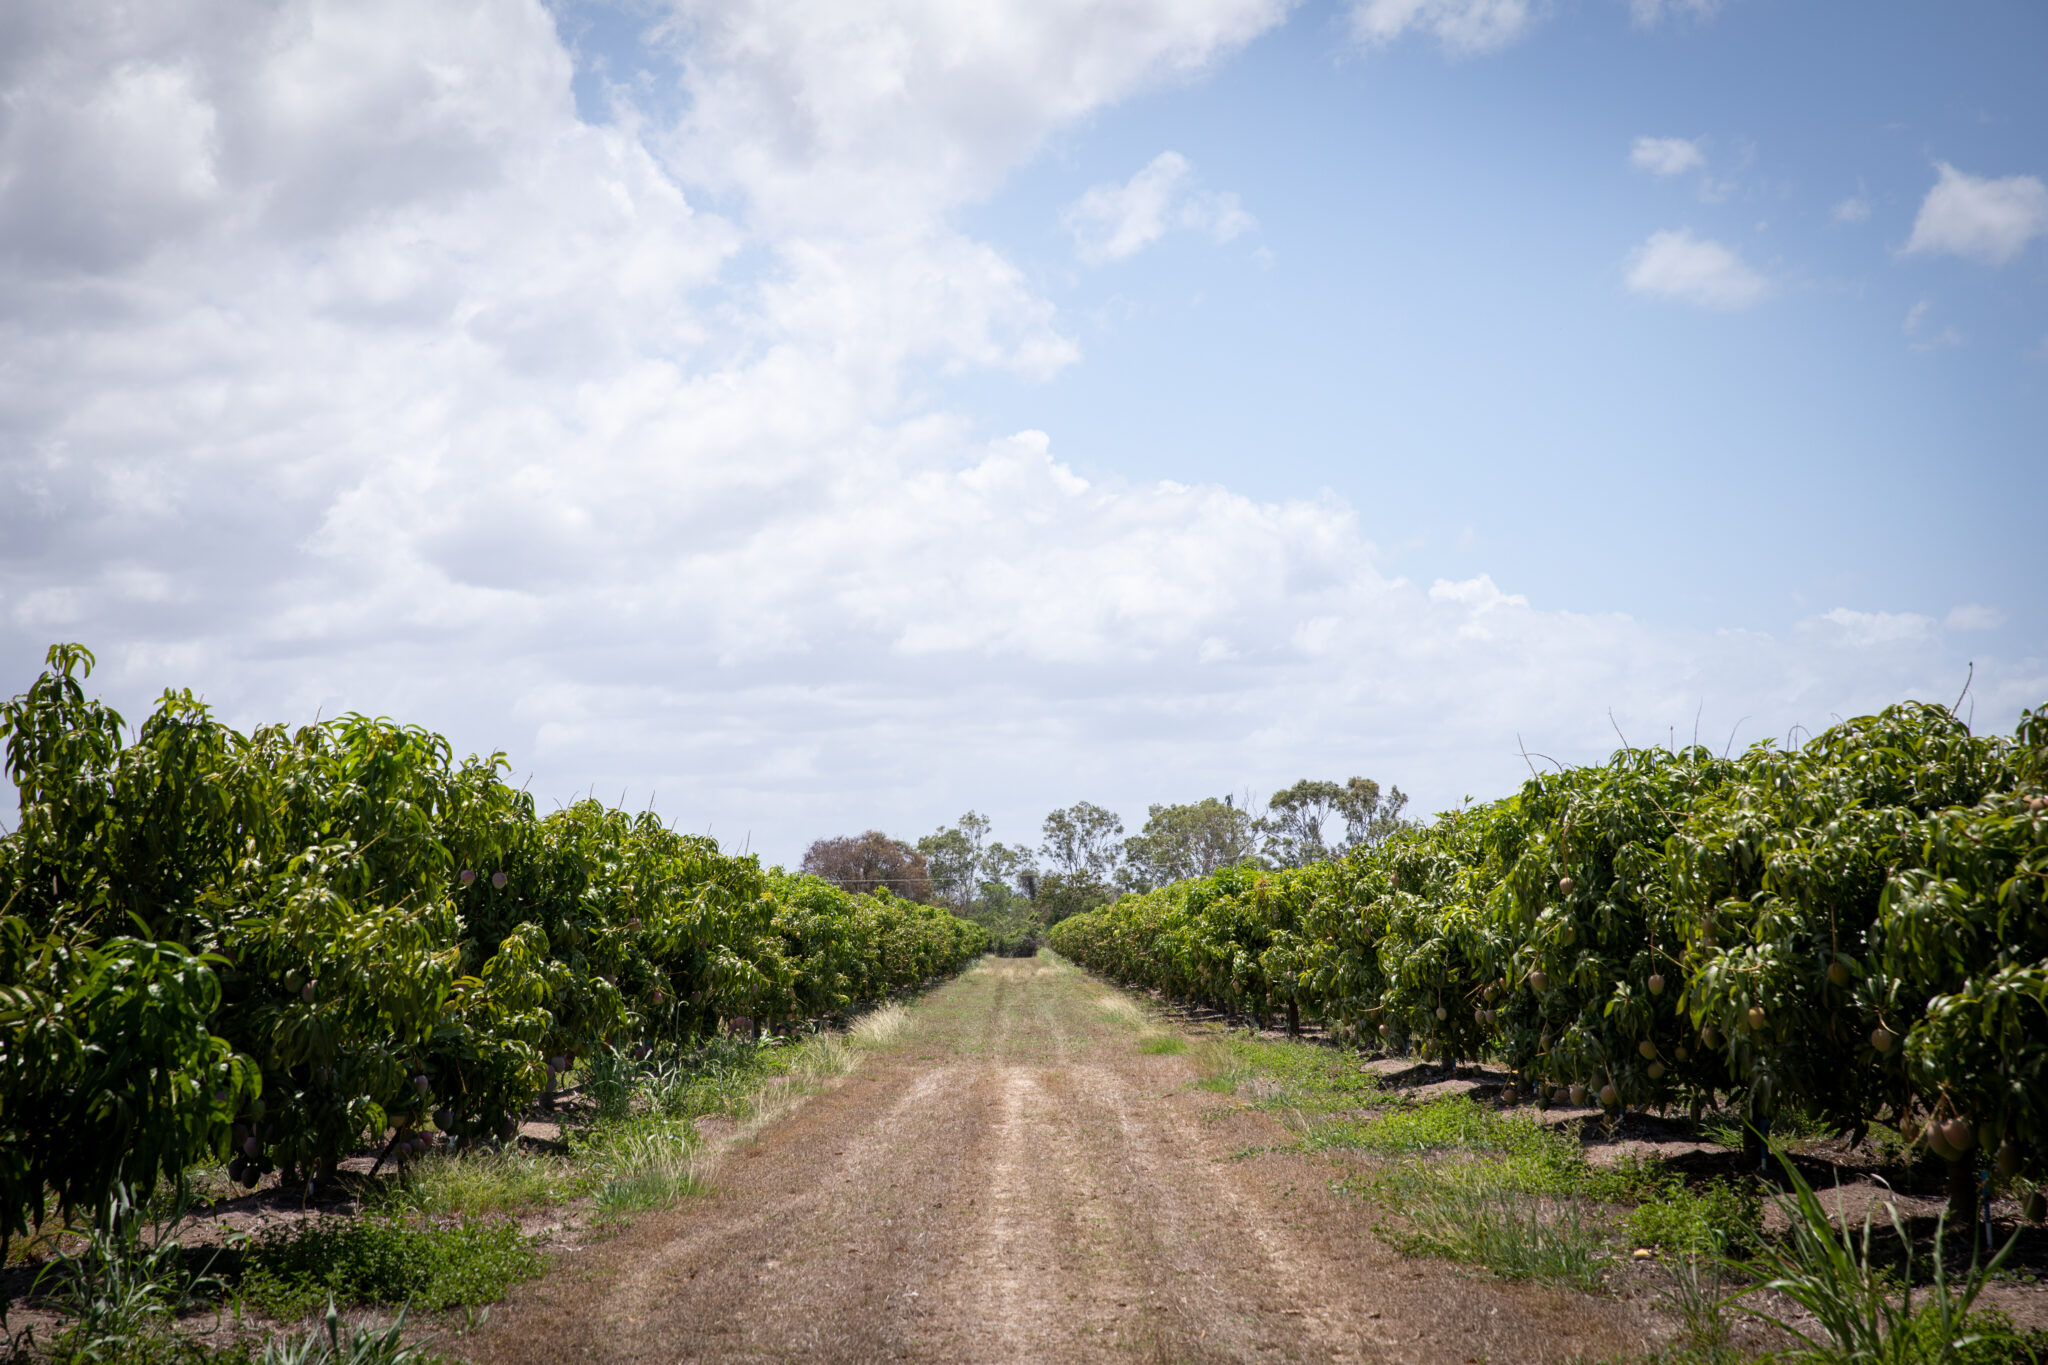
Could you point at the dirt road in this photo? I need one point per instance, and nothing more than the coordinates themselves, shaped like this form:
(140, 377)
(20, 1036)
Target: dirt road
(1015, 1179)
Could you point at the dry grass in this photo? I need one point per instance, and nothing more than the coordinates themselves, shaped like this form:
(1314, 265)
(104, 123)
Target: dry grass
(1125, 1010)
(879, 1027)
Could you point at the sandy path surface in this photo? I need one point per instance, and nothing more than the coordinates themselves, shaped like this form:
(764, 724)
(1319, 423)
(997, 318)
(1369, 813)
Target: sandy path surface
(1016, 1180)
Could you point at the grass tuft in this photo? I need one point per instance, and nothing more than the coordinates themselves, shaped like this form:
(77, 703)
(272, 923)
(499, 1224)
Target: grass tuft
(1554, 1241)
(1857, 1312)
(879, 1027)
(650, 1164)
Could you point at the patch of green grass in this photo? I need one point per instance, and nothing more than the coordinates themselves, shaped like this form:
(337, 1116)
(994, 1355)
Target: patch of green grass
(1467, 1183)
(487, 1180)
(1991, 1337)
(713, 1077)
(1164, 1045)
(1442, 1124)
(1718, 1218)
(385, 1259)
(1552, 1241)
(644, 1164)
(1503, 1194)
(1302, 1077)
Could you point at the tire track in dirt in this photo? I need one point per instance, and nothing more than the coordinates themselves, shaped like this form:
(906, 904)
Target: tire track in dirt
(1015, 1181)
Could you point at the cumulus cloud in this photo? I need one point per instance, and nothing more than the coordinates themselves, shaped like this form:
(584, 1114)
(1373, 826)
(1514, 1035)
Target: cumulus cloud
(346, 367)
(1462, 26)
(1981, 219)
(1678, 265)
(1112, 222)
(1854, 209)
(1666, 155)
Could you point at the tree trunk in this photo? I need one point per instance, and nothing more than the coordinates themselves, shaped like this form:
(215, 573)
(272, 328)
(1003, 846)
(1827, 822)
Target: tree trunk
(1756, 1144)
(1962, 1193)
(1293, 1019)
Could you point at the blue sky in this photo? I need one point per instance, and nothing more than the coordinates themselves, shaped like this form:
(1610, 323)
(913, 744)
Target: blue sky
(808, 416)
(1443, 333)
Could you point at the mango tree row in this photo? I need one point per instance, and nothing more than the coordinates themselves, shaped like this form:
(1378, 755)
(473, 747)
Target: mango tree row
(1857, 926)
(267, 946)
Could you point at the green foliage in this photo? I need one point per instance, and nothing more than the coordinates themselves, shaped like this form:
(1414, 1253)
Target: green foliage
(385, 1259)
(1306, 1081)
(1460, 1123)
(1190, 840)
(271, 947)
(1301, 827)
(1850, 932)
(109, 1074)
(646, 1164)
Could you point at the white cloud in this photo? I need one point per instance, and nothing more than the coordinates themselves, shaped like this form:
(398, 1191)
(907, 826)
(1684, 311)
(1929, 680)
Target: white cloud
(1872, 629)
(1854, 209)
(1112, 222)
(830, 115)
(1678, 265)
(382, 382)
(1666, 155)
(1924, 340)
(1461, 26)
(1974, 616)
(1982, 219)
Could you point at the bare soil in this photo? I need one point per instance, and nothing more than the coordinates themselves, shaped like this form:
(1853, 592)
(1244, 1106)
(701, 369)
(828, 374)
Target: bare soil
(1016, 1180)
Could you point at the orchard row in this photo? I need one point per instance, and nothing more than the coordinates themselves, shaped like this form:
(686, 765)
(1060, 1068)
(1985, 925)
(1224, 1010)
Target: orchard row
(1856, 927)
(268, 947)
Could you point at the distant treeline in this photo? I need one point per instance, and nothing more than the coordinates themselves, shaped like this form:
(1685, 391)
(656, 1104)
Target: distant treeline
(1085, 859)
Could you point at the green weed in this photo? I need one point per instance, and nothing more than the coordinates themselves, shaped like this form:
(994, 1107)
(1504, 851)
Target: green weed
(1694, 1297)
(325, 1345)
(385, 1258)
(1714, 1219)
(1164, 1045)
(121, 1292)
(1448, 1123)
(1860, 1316)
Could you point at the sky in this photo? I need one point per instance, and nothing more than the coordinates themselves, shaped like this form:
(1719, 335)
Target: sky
(808, 417)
